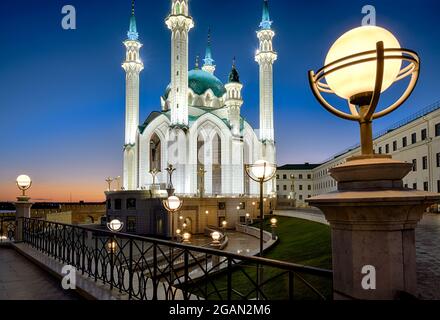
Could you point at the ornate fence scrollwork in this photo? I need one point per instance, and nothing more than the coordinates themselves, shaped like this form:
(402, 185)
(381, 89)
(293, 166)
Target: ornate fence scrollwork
(152, 269)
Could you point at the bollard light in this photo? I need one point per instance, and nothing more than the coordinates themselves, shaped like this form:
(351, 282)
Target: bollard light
(186, 237)
(24, 183)
(273, 222)
(216, 236)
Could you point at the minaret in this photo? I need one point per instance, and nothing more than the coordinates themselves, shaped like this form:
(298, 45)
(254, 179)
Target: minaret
(179, 22)
(234, 100)
(266, 57)
(209, 65)
(133, 67)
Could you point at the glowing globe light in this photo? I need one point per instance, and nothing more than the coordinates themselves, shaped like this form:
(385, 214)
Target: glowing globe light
(262, 169)
(178, 231)
(360, 78)
(173, 203)
(273, 221)
(24, 182)
(186, 237)
(115, 225)
(224, 223)
(216, 236)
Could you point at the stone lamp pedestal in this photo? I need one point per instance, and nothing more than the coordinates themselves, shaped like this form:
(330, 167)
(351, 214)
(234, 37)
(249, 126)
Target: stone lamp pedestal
(22, 210)
(373, 220)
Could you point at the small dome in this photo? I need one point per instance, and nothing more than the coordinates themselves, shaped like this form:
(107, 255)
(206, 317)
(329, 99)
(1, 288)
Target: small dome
(201, 81)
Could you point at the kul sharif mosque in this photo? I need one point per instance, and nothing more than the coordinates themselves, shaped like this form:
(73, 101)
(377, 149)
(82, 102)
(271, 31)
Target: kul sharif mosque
(199, 128)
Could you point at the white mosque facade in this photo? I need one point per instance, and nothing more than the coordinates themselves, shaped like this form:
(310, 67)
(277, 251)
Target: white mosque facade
(199, 128)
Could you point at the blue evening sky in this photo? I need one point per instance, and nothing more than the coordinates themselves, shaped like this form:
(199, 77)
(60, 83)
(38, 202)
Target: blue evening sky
(62, 92)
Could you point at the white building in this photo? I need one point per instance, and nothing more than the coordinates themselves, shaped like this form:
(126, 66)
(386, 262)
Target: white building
(414, 140)
(199, 128)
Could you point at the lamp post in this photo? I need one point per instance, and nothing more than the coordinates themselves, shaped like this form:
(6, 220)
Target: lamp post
(261, 172)
(118, 179)
(372, 216)
(170, 188)
(154, 172)
(273, 225)
(22, 205)
(173, 204)
(109, 181)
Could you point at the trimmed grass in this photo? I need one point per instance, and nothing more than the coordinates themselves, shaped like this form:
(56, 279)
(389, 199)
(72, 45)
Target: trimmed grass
(301, 242)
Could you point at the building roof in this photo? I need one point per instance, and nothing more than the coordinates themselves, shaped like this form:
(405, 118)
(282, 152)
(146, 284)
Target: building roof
(303, 166)
(201, 81)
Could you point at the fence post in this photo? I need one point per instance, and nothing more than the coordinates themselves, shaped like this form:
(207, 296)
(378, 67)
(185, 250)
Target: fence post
(22, 210)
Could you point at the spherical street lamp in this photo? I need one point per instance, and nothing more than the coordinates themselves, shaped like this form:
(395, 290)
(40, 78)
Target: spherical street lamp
(186, 237)
(262, 171)
(216, 236)
(273, 222)
(173, 204)
(24, 183)
(362, 64)
(115, 225)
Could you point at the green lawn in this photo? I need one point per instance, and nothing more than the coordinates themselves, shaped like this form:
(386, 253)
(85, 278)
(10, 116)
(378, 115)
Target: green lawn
(301, 242)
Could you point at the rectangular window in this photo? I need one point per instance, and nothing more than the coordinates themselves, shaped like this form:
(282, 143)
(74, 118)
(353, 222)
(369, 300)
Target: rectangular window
(131, 224)
(438, 160)
(278, 187)
(406, 185)
(300, 187)
(425, 186)
(424, 135)
(394, 145)
(415, 186)
(118, 204)
(380, 150)
(284, 176)
(131, 204)
(404, 142)
(387, 149)
(425, 163)
(437, 130)
(438, 186)
(414, 162)
(285, 188)
(413, 138)
(309, 176)
(309, 187)
(300, 176)
(278, 176)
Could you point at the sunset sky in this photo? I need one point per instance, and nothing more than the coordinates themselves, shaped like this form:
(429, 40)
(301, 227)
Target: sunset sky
(62, 92)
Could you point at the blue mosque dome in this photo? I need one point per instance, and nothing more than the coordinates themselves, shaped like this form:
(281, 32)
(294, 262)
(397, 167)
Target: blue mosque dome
(201, 81)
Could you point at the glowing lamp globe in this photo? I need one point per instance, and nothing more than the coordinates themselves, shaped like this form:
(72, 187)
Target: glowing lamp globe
(24, 182)
(178, 231)
(216, 236)
(174, 202)
(186, 237)
(224, 223)
(262, 169)
(273, 221)
(115, 225)
(360, 78)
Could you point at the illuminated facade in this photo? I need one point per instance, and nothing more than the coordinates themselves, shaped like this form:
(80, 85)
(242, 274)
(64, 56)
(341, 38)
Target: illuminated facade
(199, 129)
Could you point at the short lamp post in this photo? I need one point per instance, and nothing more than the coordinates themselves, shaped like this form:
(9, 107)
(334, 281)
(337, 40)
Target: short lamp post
(248, 218)
(173, 204)
(216, 237)
(22, 205)
(273, 226)
(372, 216)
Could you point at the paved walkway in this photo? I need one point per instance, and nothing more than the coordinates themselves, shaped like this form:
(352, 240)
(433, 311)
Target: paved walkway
(427, 249)
(20, 279)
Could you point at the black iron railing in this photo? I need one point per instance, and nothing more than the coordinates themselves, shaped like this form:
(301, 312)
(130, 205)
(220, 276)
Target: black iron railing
(151, 269)
(7, 228)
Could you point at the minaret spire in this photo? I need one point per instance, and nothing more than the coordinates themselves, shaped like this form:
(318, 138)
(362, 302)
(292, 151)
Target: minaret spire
(208, 61)
(180, 22)
(266, 23)
(132, 31)
(133, 66)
